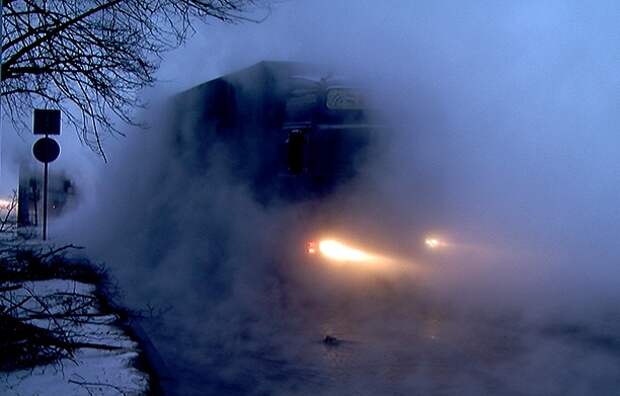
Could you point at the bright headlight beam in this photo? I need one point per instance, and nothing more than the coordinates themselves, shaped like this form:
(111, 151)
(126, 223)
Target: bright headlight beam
(340, 252)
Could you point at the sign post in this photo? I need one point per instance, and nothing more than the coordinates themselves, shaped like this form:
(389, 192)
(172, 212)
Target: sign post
(46, 149)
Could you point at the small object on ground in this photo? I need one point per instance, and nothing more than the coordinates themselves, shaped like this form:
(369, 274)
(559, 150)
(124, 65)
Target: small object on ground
(331, 341)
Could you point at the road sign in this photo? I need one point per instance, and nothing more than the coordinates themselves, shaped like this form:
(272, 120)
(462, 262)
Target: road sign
(46, 122)
(46, 150)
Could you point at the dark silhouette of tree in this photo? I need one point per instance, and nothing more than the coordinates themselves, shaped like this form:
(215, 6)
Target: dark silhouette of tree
(90, 58)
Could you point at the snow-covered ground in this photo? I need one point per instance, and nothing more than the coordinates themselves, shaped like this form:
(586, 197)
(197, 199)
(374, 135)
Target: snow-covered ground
(92, 370)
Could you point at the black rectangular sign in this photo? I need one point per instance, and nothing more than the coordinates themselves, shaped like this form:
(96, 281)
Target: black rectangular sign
(46, 122)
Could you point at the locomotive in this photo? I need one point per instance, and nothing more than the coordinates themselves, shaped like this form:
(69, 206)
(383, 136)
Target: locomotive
(292, 131)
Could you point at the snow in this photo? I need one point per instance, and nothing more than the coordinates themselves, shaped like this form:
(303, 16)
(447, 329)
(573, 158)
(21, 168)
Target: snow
(90, 371)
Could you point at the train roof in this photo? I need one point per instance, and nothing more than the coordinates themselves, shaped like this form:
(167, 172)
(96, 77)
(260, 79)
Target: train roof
(261, 73)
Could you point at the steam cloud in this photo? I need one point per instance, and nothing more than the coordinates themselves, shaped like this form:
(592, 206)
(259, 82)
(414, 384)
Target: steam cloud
(501, 135)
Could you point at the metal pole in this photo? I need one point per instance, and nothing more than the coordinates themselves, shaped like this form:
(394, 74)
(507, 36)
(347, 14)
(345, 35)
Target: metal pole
(45, 202)
(1, 60)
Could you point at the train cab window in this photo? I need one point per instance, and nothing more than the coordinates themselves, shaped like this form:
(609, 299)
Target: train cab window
(295, 149)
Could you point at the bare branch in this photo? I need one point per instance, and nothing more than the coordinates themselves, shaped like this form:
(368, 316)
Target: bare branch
(9, 208)
(91, 58)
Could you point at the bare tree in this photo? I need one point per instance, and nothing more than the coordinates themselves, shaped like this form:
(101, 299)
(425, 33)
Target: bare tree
(7, 213)
(90, 58)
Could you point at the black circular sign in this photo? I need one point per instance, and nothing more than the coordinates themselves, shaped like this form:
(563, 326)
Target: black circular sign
(46, 149)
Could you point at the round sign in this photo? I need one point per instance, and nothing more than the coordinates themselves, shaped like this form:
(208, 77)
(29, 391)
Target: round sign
(46, 149)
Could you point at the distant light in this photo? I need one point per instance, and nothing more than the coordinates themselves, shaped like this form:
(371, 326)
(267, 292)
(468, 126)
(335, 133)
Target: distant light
(433, 243)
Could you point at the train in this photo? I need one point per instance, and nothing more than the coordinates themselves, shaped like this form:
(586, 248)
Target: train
(291, 131)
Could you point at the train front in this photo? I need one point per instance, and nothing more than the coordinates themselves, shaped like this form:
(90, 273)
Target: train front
(326, 133)
(330, 134)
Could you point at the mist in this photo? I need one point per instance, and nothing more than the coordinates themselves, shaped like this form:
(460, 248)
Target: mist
(500, 136)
